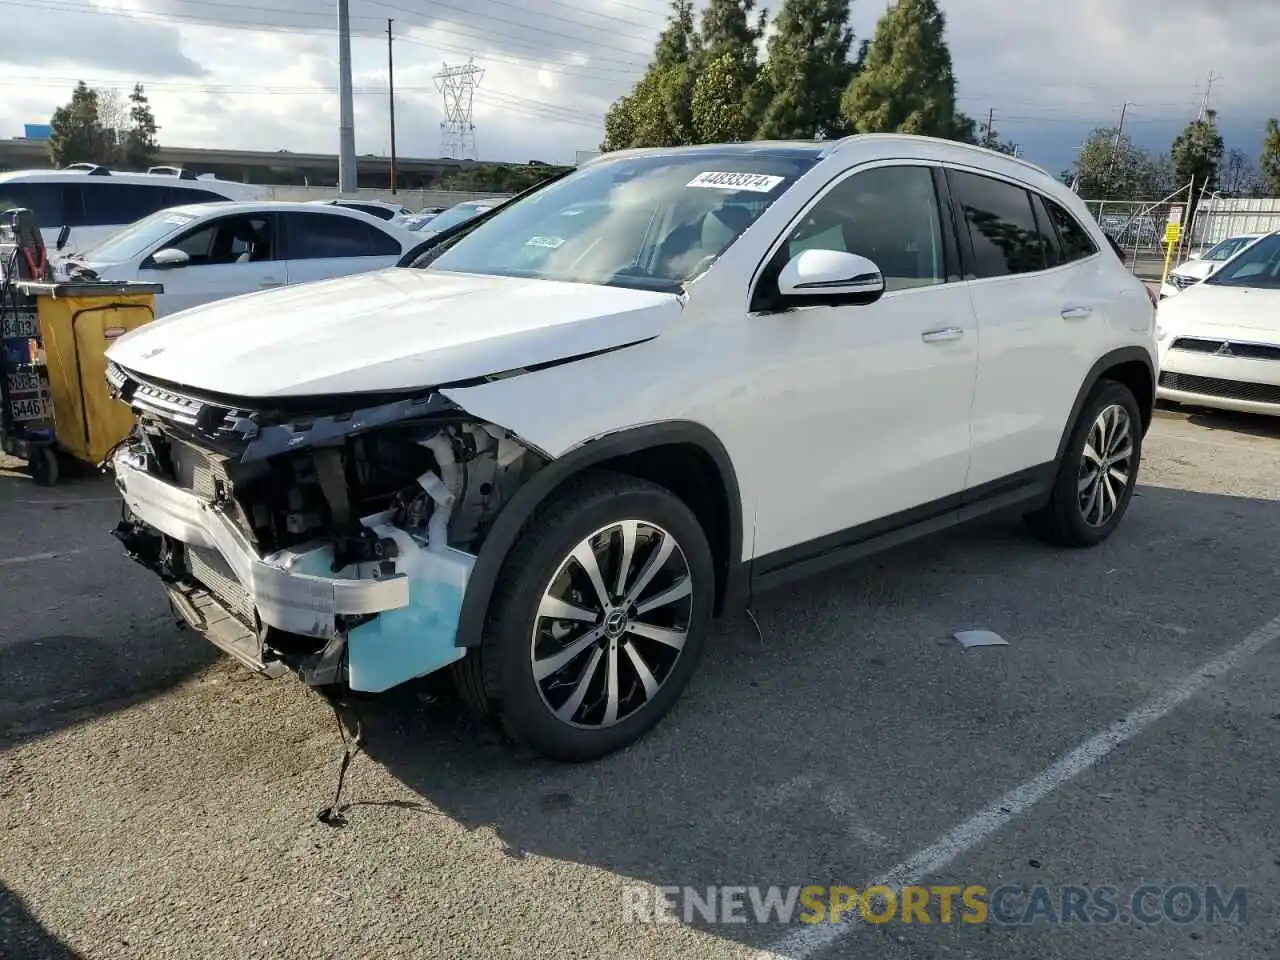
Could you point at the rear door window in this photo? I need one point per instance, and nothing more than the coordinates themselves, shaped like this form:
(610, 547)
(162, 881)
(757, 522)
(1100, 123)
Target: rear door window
(110, 204)
(1002, 228)
(322, 236)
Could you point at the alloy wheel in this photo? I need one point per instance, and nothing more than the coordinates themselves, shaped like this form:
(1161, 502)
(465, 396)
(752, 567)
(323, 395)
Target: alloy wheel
(1106, 466)
(611, 624)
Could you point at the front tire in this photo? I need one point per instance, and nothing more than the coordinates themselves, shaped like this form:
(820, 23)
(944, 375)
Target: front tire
(1098, 473)
(597, 621)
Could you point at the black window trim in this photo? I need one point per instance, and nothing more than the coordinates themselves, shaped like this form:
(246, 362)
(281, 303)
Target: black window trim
(1048, 230)
(285, 232)
(770, 265)
(147, 263)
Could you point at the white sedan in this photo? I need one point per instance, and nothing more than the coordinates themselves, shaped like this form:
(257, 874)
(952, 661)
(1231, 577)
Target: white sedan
(1201, 265)
(381, 209)
(1219, 340)
(210, 251)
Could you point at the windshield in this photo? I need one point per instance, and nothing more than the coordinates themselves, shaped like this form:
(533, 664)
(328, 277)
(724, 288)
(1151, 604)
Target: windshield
(652, 222)
(137, 238)
(459, 214)
(1259, 266)
(1224, 250)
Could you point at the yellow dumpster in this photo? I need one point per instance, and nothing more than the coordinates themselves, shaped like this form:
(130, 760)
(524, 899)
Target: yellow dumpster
(78, 322)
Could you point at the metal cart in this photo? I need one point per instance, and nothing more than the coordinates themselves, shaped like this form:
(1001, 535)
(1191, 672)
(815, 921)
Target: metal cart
(26, 413)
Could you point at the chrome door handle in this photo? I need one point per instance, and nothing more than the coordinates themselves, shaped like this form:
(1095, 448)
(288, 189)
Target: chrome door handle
(1076, 313)
(267, 284)
(942, 335)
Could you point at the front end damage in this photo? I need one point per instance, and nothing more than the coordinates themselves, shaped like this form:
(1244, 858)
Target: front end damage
(333, 542)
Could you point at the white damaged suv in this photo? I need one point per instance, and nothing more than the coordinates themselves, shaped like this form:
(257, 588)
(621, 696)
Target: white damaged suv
(572, 431)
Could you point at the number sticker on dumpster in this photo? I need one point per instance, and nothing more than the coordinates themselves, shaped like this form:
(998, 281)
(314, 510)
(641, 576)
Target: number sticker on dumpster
(24, 383)
(32, 409)
(21, 326)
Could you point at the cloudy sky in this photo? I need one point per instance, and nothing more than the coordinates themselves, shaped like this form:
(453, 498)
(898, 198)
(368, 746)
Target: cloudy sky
(263, 75)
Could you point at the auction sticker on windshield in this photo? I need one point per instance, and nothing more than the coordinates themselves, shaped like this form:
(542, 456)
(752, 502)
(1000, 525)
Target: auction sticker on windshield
(753, 182)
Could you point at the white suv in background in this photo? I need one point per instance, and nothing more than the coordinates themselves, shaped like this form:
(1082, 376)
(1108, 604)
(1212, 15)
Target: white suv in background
(94, 202)
(549, 450)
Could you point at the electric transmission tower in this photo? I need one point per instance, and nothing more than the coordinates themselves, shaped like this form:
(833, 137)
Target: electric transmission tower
(457, 85)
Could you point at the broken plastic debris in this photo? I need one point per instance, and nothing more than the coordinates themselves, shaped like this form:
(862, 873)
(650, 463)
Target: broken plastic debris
(980, 638)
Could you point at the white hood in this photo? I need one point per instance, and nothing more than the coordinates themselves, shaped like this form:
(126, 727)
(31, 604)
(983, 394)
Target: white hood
(1225, 311)
(396, 329)
(1196, 269)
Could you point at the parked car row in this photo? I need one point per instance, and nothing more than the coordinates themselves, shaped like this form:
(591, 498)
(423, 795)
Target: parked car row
(209, 251)
(94, 202)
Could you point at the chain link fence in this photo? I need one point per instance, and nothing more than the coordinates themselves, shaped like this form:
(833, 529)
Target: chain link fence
(1138, 226)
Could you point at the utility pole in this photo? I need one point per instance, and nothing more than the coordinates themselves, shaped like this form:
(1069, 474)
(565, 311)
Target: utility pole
(989, 139)
(391, 103)
(1208, 91)
(1115, 144)
(346, 110)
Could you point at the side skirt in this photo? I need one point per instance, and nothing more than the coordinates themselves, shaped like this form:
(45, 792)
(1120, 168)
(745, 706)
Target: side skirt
(1023, 491)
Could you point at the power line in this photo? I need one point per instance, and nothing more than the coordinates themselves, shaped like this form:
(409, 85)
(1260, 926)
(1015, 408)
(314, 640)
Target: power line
(617, 75)
(542, 15)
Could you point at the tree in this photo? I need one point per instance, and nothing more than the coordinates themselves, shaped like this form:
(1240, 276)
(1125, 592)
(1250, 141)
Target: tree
(806, 69)
(113, 114)
(1197, 152)
(726, 104)
(659, 110)
(722, 101)
(1269, 165)
(907, 84)
(137, 146)
(1238, 178)
(1110, 166)
(76, 133)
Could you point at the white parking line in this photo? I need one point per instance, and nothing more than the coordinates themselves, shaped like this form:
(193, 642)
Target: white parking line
(963, 838)
(35, 557)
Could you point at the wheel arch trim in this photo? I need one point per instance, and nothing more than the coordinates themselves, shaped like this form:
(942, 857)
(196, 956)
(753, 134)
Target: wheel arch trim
(1105, 363)
(515, 514)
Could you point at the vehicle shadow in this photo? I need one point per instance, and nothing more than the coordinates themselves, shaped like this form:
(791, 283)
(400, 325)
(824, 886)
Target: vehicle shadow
(1249, 424)
(732, 787)
(23, 937)
(74, 643)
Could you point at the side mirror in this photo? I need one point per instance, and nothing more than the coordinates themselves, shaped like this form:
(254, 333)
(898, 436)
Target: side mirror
(169, 257)
(831, 278)
(1195, 256)
(63, 236)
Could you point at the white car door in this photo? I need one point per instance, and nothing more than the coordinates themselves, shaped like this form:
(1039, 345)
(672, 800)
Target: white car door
(862, 412)
(225, 257)
(322, 244)
(1042, 318)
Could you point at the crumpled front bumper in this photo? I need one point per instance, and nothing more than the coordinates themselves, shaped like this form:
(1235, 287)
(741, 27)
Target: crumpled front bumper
(284, 596)
(295, 591)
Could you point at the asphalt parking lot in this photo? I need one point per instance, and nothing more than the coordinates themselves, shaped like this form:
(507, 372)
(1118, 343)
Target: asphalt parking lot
(156, 801)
